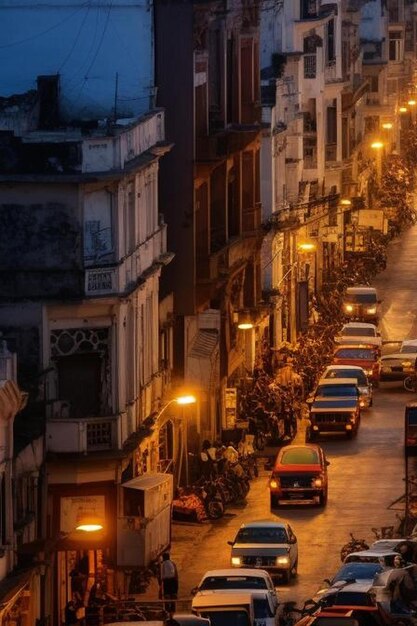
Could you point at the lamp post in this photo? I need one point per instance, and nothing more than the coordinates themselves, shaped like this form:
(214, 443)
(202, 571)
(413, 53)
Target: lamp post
(378, 147)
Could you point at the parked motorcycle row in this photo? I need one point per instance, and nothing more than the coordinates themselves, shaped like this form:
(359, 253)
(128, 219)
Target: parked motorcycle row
(225, 474)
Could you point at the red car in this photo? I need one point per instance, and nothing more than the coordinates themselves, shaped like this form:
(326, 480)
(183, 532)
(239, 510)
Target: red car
(299, 475)
(361, 355)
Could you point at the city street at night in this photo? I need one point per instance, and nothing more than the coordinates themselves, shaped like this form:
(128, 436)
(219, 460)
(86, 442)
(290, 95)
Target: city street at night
(365, 475)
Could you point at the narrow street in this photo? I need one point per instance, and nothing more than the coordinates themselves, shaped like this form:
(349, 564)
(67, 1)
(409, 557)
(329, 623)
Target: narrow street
(365, 475)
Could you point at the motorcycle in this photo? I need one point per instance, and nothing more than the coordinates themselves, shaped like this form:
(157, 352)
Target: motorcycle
(354, 545)
(410, 383)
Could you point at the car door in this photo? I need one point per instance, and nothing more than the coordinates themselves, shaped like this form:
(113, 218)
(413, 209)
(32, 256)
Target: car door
(272, 592)
(292, 540)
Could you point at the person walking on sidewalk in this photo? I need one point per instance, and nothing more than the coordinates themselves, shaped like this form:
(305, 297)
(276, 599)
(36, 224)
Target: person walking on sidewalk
(168, 582)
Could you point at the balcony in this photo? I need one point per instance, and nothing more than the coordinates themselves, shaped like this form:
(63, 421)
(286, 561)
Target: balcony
(225, 143)
(123, 277)
(331, 152)
(80, 436)
(330, 73)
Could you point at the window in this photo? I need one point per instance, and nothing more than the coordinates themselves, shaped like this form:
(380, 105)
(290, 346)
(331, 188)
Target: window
(374, 84)
(308, 9)
(310, 60)
(330, 48)
(395, 45)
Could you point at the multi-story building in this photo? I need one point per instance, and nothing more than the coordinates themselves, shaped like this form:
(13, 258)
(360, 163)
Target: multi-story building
(210, 186)
(83, 248)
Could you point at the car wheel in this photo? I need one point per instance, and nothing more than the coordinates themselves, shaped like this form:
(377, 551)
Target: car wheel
(323, 498)
(294, 570)
(274, 502)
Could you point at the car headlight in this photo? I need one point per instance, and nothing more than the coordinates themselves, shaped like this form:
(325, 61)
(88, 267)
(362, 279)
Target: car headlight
(372, 310)
(369, 372)
(282, 560)
(236, 560)
(348, 308)
(317, 482)
(274, 483)
(407, 364)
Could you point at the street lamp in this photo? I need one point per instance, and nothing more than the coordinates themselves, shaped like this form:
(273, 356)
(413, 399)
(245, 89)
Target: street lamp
(345, 202)
(403, 109)
(378, 146)
(89, 523)
(387, 126)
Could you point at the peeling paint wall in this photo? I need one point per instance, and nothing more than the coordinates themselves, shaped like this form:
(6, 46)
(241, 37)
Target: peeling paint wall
(40, 242)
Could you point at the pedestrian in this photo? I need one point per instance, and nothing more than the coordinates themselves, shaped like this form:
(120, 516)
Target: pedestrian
(168, 582)
(70, 614)
(206, 463)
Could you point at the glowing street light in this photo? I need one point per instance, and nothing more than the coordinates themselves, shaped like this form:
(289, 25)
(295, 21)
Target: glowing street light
(89, 523)
(377, 145)
(345, 202)
(387, 126)
(185, 400)
(411, 103)
(403, 109)
(306, 247)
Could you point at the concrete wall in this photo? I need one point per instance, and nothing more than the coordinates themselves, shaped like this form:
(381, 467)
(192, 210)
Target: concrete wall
(40, 239)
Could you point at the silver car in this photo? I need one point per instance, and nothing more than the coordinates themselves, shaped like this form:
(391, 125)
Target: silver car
(266, 544)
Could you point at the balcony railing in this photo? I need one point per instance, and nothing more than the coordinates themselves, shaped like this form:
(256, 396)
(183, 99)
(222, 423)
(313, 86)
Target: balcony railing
(310, 66)
(89, 434)
(118, 279)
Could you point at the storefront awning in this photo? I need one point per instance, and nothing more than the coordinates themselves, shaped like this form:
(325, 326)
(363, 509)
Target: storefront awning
(148, 481)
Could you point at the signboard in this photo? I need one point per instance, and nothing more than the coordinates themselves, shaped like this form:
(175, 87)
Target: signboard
(230, 406)
(371, 218)
(74, 508)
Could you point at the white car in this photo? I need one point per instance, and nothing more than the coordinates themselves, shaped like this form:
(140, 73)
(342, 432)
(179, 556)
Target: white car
(242, 608)
(409, 346)
(227, 580)
(353, 371)
(269, 545)
(360, 332)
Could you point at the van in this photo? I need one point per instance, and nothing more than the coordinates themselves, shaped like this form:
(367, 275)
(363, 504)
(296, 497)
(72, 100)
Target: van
(239, 609)
(361, 304)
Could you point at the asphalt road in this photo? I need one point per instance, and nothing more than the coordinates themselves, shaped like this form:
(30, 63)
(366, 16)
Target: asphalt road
(365, 474)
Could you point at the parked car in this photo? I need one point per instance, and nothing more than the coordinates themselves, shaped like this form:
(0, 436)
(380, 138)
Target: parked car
(361, 355)
(270, 545)
(410, 429)
(406, 547)
(372, 556)
(354, 572)
(409, 346)
(349, 594)
(397, 366)
(359, 332)
(335, 388)
(361, 304)
(226, 580)
(243, 608)
(353, 371)
(299, 475)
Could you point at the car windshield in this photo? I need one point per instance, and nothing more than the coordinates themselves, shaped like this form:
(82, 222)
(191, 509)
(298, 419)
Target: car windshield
(357, 571)
(300, 456)
(359, 558)
(336, 391)
(348, 331)
(410, 349)
(362, 298)
(360, 376)
(233, 582)
(262, 535)
(225, 618)
(356, 353)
